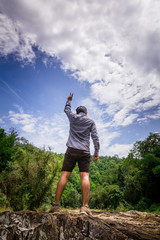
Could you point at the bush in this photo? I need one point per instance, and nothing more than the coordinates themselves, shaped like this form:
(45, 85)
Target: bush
(3, 200)
(155, 208)
(143, 204)
(71, 198)
(106, 197)
(124, 206)
(29, 182)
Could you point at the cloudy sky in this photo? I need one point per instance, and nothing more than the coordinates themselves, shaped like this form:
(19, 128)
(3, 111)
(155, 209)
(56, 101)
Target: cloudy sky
(106, 52)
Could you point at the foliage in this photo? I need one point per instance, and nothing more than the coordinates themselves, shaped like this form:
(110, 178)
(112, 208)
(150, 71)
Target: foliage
(28, 179)
(106, 197)
(3, 200)
(150, 145)
(7, 147)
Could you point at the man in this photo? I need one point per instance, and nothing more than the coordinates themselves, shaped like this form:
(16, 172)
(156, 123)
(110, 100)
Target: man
(81, 127)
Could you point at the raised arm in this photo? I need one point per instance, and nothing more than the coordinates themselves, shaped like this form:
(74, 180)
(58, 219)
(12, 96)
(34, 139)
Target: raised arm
(67, 108)
(95, 139)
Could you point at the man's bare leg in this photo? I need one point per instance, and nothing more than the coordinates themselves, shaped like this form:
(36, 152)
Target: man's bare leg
(61, 186)
(85, 187)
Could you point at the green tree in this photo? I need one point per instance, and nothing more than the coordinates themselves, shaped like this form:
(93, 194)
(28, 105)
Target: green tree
(132, 189)
(150, 145)
(141, 171)
(7, 147)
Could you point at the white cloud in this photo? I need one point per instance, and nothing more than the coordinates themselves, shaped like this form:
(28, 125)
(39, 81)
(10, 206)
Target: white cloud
(113, 45)
(12, 41)
(51, 132)
(121, 118)
(121, 150)
(26, 121)
(1, 121)
(9, 37)
(154, 115)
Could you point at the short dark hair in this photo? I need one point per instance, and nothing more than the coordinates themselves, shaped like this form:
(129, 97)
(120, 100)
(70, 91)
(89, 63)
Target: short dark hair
(81, 109)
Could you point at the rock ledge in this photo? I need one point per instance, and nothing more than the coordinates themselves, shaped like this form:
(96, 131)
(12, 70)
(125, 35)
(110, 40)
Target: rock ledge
(71, 225)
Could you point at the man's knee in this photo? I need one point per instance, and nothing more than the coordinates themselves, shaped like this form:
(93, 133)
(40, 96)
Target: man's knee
(84, 175)
(65, 175)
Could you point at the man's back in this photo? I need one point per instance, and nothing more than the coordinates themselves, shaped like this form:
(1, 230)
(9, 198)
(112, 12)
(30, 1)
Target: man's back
(80, 129)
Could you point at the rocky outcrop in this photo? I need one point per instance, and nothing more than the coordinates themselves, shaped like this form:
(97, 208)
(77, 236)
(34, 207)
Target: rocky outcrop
(72, 225)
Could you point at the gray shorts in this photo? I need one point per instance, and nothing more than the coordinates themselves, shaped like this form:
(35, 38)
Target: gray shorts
(75, 155)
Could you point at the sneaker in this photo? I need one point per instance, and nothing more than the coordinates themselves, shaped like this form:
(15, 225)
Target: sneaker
(85, 210)
(55, 208)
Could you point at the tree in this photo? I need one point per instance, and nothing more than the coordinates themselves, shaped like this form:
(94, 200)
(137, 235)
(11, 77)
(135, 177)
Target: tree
(142, 170)
(8, 147)
(150, 145)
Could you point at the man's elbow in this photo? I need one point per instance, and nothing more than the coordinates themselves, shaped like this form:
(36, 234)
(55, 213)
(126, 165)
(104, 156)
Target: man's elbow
(66, 109)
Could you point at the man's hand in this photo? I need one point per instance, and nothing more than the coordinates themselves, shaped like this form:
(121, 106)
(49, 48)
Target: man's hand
(70, 97)
(96, 156)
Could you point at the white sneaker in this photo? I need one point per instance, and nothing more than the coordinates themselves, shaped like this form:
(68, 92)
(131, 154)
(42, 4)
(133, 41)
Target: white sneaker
(86, 210)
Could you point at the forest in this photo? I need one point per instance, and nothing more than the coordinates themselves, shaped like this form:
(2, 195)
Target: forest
(29, 175)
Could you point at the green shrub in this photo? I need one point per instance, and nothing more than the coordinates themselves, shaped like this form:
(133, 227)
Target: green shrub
(3, 200)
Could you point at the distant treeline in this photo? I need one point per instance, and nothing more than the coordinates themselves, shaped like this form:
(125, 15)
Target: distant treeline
(29, 175)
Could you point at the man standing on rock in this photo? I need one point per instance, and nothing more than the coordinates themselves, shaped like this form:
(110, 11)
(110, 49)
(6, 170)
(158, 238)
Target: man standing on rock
(81, 127)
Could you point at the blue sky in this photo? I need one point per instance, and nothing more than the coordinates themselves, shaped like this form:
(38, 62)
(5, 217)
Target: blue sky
(106, 54)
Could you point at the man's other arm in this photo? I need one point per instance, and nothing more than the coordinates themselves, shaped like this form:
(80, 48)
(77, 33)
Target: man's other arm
(95, 139)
